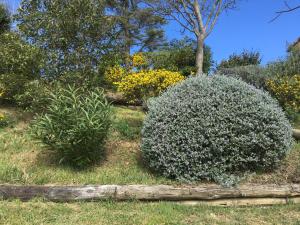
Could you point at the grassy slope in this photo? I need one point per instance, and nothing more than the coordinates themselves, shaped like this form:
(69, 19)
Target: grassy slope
(39, 212)
(23, 161)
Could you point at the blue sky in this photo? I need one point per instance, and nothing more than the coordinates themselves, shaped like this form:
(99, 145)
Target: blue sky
(246, 27)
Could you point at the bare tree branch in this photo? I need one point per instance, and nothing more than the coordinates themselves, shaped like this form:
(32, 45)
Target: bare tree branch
(286, 10)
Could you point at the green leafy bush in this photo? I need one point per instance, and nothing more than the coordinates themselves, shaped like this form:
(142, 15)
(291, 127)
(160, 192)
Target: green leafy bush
(251, 74)
(75, 125)
(5, 120)
(35, 96)
(244, 59)
(285, 67)
(20, 63)
(214, 128)
(180, 56)
(5, 19)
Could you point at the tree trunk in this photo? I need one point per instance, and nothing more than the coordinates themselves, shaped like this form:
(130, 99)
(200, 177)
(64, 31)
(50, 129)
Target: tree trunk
(127, 48)
(127, 36)
(199, 55)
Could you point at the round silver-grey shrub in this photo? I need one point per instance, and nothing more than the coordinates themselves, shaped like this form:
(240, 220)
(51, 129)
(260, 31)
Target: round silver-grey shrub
(214, 128)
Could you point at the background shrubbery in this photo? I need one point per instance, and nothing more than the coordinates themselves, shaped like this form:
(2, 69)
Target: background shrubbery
(20, 64)
(287, 90)
(179, 56)
(251, 74)
(145, 84)
(245, 58)
(75, 125)
(214, 128)
(279, 78)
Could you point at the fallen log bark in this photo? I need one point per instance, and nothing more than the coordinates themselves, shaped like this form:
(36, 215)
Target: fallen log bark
(296, 134)
(205, 193)
(118, 99)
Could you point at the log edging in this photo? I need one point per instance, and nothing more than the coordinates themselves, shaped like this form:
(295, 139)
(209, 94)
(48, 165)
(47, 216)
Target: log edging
(204, 194)
(296, 134)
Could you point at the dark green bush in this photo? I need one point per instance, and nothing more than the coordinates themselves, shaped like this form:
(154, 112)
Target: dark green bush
(20, 63)
(289, 66)
(251, 74)
(246, 58)
(75, 125)
(5, 19)
(180, 55)
(214, 128)
(35, 96)
(5, 120)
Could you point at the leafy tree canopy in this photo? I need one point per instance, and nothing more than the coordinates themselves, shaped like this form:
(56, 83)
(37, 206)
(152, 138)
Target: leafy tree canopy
(5, 19)
(179, 55)
(244, 59)
(75, 33)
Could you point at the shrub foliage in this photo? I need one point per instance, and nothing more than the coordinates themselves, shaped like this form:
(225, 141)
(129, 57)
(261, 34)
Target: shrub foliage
(20, 64)
(244, 59)
(251, 74)
(287, 90)
(75, 125)
(146, 84)
(214, 128)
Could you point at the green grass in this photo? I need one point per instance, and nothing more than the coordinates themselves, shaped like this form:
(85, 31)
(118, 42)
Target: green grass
(24, 161)
(38, 212)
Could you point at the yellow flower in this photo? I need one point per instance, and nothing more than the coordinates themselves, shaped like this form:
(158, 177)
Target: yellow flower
(114, 74)
(145, 84)
(138, 60)
(286, 90)
(2, 116)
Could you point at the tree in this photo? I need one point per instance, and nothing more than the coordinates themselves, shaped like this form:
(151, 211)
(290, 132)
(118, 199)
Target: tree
(5, 19)
(287, 9)
(74, 33)
(179, 55)
(244, 59)
(137, 25)
(196, 16)
(20, 63)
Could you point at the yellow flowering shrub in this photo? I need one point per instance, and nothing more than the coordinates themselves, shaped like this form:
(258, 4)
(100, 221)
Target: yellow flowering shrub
(146, 84)
(286, 90)
(4, 120)
(114, 74)
(139, 60)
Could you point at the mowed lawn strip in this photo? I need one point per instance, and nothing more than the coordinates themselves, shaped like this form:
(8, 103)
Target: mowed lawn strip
(39, 212)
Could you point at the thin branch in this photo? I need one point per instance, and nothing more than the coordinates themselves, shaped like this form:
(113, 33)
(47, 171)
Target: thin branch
(215, 19)
(199, 17)
(287, 10)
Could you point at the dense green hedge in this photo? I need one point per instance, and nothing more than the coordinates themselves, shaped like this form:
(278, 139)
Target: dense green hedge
(215, 129)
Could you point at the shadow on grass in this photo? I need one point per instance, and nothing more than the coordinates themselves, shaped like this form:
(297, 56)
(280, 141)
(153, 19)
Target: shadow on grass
(52, 159)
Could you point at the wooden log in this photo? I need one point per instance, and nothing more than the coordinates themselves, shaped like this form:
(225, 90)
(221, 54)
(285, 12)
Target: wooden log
(296, 134)
(202, 193)
(118, 99)
(244, 201)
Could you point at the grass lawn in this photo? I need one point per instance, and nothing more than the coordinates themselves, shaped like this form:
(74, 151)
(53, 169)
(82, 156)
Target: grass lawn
(39, 212)
(24, 161)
